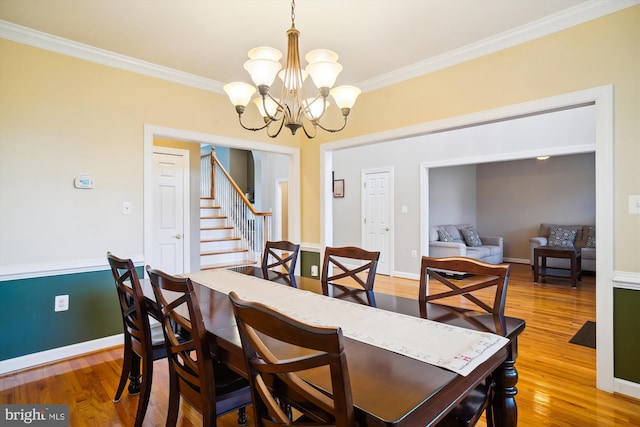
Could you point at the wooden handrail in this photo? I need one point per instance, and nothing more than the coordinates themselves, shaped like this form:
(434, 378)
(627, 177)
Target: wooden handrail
(214, 162)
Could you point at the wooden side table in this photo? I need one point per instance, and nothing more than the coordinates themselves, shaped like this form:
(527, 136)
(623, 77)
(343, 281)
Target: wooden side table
(541, 271)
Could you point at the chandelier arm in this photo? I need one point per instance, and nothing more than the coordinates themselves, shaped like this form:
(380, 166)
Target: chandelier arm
(333, 130)
(278, 131)
(281, 107)
(315, 130)
(253, 129)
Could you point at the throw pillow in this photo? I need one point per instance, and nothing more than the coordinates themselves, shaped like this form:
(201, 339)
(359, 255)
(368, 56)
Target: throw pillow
(591, 237)
(561, 237)
(444, 236)
(471, 237)
(453, 232)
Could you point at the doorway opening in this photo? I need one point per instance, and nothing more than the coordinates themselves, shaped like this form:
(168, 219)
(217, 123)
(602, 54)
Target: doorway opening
(602, 98)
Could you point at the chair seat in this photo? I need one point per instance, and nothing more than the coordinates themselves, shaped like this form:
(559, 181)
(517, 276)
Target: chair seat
(227, 380)
(157, 336)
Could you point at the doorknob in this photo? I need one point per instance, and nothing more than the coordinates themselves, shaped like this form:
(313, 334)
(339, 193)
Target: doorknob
(178, 236)
(386, 229)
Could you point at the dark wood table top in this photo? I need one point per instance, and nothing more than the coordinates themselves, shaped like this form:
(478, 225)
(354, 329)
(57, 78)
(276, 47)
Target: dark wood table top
(388, 389)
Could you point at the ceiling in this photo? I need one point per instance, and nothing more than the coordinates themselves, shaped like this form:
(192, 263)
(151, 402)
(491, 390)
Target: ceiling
(376, 39)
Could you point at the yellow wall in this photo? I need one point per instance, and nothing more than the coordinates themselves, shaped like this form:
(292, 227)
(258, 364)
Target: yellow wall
(600, 52)
(61, 116)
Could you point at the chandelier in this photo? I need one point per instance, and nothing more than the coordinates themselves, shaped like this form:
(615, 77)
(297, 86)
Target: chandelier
(292, 108)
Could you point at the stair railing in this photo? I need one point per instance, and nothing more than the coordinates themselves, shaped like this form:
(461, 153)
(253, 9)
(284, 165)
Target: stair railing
(253, 227)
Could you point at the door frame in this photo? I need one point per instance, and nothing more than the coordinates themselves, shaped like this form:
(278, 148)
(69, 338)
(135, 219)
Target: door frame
(606, 278)
(154, 131)
(363, 201)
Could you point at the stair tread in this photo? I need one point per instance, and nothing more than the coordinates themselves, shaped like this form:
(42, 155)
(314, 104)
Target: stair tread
(224, 251)
(228, 265)
(217, 228)
(213, 217)
(222, 239)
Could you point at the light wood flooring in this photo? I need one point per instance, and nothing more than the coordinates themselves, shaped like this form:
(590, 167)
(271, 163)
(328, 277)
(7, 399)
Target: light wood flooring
(556, 384)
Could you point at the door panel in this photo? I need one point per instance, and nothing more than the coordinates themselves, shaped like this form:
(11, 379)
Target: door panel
(168, 212)
(377, 216)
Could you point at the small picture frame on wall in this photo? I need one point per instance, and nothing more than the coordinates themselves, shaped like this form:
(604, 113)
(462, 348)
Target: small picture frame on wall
(338, 188)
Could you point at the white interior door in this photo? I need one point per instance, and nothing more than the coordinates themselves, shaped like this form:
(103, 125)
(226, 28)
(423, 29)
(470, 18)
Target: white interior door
(377, 209)
(170, 210)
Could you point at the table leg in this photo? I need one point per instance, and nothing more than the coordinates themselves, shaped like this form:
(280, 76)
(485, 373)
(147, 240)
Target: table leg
(503, 411)
(535, 266)
(573, 271)
(134, 375)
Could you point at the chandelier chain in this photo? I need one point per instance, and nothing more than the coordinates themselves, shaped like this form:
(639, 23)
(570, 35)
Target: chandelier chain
(293, 13)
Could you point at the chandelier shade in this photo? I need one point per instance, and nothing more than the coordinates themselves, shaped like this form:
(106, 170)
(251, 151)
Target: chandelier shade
(292, 108)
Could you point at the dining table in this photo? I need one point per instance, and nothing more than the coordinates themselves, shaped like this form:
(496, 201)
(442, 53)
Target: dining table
(388, 388)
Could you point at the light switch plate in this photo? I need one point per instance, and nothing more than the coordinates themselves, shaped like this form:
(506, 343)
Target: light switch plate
(634, 205)
(127, 208)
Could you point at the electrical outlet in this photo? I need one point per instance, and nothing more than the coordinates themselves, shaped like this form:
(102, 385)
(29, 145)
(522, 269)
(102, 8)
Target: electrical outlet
(414, 254)
(314, 270)
(61, 303)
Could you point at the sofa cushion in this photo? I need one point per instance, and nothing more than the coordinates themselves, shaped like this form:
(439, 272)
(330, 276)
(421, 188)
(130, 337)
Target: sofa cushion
(433, 233)
(589, 232)
(444, 236)
(562, 237)
(471, 237)
(478, 252)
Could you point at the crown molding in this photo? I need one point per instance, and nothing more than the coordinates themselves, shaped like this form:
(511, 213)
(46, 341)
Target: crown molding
(31, 37)
(562, 20)
(568, 18)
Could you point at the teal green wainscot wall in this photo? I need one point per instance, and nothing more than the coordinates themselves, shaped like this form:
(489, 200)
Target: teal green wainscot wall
(307, 259)
(30, 324)
(626, 332)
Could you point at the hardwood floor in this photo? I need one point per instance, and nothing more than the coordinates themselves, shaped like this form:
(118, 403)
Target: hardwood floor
(556, 384)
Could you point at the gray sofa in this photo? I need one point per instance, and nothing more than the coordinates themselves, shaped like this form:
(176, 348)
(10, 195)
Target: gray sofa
(490, 251)
(585, 239)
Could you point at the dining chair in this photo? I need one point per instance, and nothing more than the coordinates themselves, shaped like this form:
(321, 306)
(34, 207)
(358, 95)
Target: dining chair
(280, 396)
(349, 266)
(194, 372)
(467, 278)
(282, 256)
(143, 343)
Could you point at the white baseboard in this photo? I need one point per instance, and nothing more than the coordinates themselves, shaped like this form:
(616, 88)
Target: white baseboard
(405, 275)
(517, 260)
(48, 356)
(626, 387)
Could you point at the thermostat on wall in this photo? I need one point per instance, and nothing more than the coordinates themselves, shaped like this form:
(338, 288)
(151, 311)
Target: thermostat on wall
(83, 181)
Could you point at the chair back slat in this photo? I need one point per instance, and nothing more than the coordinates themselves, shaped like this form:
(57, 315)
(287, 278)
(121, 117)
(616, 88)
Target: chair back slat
(135, 317)
(349, 265)
(465, 276)
(195, 373)
(139, 349)
(185, 335)
(274, 367)
(280, 257)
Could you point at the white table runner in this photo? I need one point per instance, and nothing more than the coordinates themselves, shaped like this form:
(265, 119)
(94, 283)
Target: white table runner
(457, 349)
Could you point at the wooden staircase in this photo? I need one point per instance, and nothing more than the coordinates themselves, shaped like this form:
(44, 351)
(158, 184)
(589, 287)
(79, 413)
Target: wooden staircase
(219, 247)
